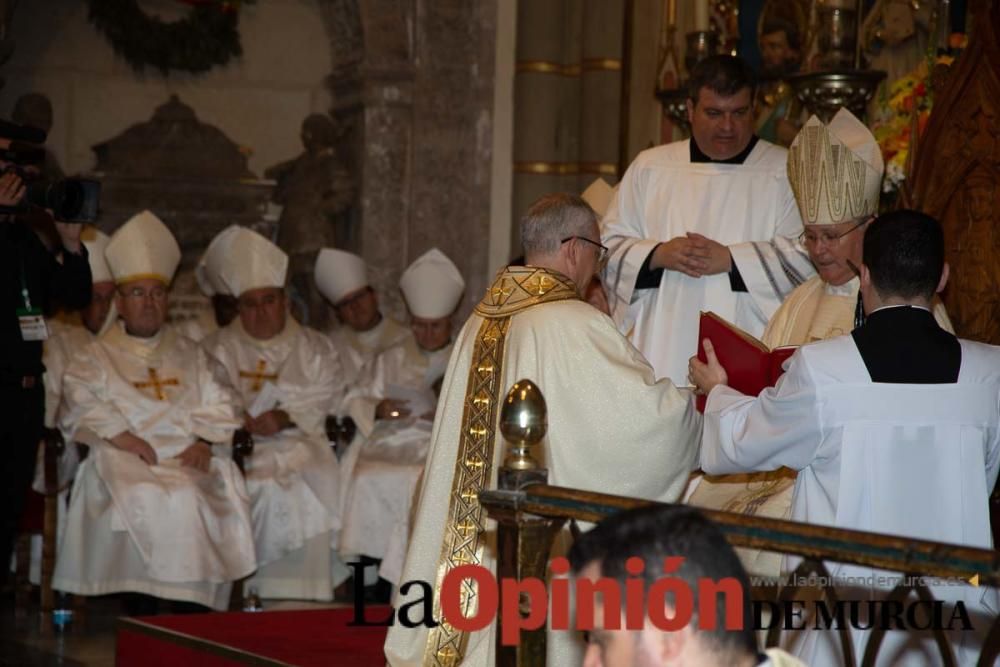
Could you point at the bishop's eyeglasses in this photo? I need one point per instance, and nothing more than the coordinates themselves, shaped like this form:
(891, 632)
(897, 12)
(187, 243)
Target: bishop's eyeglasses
(827, 238)
(602, 250)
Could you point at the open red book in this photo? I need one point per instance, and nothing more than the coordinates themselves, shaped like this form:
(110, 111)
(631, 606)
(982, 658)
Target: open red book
(749, 364)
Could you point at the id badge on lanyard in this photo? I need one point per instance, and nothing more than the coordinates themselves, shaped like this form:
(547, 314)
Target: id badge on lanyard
(30, 319)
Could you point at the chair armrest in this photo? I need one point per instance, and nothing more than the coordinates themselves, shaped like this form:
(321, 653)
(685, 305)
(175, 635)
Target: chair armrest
(242, 448)
(55, 446)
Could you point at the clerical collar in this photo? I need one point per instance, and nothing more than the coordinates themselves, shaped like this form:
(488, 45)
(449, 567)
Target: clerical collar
(698, 156)
(899, 305)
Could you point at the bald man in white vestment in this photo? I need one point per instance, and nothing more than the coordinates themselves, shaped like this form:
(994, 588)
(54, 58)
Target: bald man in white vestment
(394, 433)
(708, 223)
(892, 429)
(158, 507)
(612, 427)
(286, 375)
(828, 166)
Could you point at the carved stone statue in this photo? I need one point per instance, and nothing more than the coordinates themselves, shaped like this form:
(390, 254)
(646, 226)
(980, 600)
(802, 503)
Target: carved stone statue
(894, 36)
(315, 191)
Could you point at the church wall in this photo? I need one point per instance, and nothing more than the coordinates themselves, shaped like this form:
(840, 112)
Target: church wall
(259, 101)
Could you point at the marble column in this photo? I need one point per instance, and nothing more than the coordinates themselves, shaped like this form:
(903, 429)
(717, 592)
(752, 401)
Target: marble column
(567, 98)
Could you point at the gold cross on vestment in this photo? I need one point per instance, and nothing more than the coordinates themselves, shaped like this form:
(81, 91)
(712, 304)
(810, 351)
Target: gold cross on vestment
(157, 384)
(258, 376)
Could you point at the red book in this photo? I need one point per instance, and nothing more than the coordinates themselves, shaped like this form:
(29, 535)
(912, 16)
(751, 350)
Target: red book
(751, 367)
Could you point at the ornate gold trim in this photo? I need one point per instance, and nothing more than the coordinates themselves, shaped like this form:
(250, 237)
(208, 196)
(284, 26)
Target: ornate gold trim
(517, 288)
(566, 168)
(601, 65)
(548, 67)
(560, 168)
(604, 168)
(465, 526)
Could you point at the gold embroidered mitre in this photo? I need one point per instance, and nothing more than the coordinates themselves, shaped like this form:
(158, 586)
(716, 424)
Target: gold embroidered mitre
(835, 170)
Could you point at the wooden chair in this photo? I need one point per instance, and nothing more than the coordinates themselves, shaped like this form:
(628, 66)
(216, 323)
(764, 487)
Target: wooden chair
(40, 516)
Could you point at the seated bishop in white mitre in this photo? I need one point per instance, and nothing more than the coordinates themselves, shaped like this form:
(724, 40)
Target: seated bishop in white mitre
(835, 171)
(363, 331)
(158, 507)
(286, 375)
(68, 333)
(395, 413)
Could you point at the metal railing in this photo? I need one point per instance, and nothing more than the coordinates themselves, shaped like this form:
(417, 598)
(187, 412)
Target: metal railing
(529, 518)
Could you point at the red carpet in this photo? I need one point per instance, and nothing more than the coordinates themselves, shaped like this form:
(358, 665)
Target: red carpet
(302, 638)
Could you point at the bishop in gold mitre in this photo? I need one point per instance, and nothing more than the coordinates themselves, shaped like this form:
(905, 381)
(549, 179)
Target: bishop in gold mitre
(836, 174)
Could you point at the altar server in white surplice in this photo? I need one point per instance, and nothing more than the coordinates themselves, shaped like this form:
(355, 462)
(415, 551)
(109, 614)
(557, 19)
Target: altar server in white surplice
(709, 223)
(836, 174)
(892, 429)
(396, 414)
(612, 427)
(158, 507)
(287, 375)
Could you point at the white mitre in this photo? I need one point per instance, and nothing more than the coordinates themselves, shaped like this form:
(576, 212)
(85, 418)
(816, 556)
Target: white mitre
(598, 194)
(251, 262)
(96, 241)
(206, 272)
(835, 170)
(432, 286)
(338, 273)
(143, 248)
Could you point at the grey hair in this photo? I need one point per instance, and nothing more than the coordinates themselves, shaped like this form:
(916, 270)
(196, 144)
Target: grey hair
(553, 218)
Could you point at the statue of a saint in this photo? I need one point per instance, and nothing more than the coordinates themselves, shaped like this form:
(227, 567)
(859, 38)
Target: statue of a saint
(778, 111)
(316, 192)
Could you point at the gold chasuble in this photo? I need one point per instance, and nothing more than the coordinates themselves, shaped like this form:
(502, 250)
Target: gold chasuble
(516, 289)
(613, 429)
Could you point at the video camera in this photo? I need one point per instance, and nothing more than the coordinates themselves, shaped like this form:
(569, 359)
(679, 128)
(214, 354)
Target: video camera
(69, 199)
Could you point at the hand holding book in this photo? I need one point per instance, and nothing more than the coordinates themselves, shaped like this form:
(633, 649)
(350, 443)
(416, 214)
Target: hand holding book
(747, 365)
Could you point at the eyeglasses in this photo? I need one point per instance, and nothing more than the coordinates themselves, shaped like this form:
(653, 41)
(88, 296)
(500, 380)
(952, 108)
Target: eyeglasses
(602, 250)
(827, 238)
(139, 293)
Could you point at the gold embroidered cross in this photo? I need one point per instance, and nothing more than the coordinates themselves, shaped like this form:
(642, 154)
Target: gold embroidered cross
(448, 656)
(258, 376)
(500, 293)
(157, 384)
(466, 527)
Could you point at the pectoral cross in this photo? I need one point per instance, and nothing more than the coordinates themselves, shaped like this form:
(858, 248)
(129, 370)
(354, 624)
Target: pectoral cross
(157, 384)
(258, 376)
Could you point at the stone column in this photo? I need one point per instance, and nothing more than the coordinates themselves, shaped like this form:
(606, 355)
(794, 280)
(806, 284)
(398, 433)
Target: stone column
(567, 98)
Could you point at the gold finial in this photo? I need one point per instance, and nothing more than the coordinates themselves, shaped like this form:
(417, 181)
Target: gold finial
(523, 422)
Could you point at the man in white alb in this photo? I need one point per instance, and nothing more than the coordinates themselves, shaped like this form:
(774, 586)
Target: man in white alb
(704, 224)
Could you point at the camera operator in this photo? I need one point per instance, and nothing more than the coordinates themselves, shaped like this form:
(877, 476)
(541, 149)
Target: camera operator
(33, 280)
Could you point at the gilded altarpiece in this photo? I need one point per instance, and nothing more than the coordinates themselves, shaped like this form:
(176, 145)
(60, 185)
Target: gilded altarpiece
(957, 177)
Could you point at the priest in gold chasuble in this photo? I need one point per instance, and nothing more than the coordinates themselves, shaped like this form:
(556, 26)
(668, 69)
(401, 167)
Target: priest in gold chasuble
(613, 428)
(158, 507)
